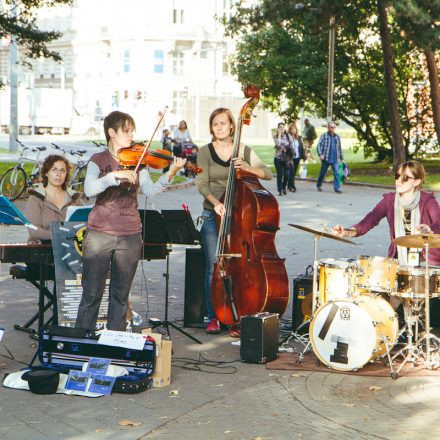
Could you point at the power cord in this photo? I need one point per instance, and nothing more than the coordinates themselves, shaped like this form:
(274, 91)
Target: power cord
(203, 365)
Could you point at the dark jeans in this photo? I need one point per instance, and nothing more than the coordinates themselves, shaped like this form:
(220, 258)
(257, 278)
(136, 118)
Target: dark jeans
(324, 168)
(102, 252)
(282, 174)
(209, 238)
(293, 168)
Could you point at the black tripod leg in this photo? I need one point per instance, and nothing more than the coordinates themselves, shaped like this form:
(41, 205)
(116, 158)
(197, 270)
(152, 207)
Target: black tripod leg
(183, 332)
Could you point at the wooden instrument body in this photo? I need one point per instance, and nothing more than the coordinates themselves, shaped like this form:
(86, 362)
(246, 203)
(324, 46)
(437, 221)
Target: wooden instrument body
(259, 277)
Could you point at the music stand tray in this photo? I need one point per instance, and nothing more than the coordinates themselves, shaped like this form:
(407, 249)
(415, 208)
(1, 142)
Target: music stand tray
(173, 226)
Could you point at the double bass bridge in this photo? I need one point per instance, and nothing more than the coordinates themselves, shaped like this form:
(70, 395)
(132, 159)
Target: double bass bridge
(229, 255)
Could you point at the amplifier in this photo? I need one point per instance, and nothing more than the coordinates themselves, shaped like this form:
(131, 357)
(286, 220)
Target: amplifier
(194, 308)
(302, 295)
(259, 337)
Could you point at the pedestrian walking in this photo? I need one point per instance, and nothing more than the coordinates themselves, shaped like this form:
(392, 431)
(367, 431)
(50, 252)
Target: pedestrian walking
(309, 135)
(330, 153)
(298, 153)
(282, 156)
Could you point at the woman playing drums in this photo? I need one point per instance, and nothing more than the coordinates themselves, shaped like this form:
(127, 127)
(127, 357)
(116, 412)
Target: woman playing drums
(409, 210)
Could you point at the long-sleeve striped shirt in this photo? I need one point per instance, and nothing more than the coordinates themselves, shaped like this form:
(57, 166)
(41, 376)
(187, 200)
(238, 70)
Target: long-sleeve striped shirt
(323, 146)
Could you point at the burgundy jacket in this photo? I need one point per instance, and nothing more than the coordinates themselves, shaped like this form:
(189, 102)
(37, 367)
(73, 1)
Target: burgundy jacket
(429, 215)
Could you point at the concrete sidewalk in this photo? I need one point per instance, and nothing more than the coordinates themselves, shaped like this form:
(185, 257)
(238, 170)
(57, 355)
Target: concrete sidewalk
(246, 401)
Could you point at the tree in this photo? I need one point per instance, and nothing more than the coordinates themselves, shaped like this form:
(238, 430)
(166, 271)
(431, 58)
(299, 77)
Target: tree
(285, 52)
(32, 41)
(420, 24)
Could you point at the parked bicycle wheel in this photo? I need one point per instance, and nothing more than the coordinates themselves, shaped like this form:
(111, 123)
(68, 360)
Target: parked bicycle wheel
(13, 183)
(78, 178)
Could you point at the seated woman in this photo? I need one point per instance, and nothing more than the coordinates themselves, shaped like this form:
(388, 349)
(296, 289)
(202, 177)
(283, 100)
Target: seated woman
(49, 204)
(409, 210)
(181, 138)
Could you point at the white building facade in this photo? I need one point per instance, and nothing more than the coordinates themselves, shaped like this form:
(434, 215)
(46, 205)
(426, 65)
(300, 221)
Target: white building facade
(139, 56)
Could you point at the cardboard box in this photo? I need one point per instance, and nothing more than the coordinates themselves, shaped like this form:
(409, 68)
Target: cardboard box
(162, 369)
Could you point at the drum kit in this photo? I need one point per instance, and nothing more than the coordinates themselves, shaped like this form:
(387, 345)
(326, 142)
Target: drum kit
(352, 321)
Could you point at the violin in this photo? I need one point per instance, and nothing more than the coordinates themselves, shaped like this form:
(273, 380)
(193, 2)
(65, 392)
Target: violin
(158, 159)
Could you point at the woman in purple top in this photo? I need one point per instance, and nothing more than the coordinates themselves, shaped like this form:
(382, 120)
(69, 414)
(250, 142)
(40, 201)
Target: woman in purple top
(408, 211)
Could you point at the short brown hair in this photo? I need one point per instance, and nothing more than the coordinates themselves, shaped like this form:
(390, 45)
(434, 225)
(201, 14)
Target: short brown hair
(117, 120)
(219, 111)
(417, 170)
(49, 163)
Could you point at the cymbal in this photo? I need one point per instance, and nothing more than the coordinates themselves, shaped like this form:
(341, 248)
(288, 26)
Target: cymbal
(321, 233)
(418, 240)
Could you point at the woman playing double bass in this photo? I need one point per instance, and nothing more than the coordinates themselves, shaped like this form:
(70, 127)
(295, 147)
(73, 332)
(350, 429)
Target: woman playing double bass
(215, 160)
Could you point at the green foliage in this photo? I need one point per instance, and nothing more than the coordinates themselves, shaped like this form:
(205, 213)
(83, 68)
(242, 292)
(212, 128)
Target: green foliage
(31, 40)
(285, 50)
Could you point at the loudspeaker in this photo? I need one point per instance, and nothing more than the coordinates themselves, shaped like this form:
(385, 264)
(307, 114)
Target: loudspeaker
(302, 295)
(259, 338)
(195, 307)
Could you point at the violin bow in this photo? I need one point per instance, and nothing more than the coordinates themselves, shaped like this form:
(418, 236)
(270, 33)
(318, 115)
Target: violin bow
(151, 140)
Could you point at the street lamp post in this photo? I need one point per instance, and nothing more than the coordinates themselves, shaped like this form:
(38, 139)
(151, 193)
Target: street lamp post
(331, 67)
(13, 82)
(331, 58)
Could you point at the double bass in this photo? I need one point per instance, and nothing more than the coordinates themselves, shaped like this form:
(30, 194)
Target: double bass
(249, 276)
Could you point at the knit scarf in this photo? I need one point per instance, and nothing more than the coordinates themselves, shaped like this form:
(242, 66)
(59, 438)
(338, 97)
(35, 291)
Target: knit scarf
(399, 227)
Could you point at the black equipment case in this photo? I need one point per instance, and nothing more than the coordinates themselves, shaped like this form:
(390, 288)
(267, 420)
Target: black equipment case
(65, 348)
(302, 294)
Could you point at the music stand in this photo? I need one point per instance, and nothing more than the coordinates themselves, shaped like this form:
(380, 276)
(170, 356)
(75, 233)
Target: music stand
(169, 227)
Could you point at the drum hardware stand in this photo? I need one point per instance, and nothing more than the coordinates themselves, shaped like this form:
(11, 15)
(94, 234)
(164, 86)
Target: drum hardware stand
(411, 348)
(393, 373)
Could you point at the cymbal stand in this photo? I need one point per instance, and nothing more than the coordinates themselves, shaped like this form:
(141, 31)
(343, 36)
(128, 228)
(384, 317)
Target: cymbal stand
(412, 313)
(428, 336)
(316, 238)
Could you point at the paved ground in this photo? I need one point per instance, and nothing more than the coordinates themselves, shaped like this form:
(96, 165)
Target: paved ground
(250, 402)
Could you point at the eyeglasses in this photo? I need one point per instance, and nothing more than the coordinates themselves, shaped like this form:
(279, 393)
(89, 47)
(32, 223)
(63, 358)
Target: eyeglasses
(404, 177)
(56, 171)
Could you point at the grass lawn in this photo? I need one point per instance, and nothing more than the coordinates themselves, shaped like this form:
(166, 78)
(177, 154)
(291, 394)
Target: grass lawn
(362, 170)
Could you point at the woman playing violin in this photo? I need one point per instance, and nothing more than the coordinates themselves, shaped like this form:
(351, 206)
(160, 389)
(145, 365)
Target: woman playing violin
(215, 159)
(113, 239)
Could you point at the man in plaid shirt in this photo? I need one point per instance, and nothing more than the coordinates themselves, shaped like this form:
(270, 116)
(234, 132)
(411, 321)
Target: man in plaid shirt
(330, 153)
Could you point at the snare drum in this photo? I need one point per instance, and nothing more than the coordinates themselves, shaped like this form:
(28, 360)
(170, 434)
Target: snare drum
(336, 279)
(411, 282)
(377, 274)
(347, 333)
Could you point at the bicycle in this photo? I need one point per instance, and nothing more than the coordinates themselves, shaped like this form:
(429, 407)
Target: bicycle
(15, 179)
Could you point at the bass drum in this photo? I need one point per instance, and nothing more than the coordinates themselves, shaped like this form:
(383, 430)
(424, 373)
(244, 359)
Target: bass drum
(347, 333)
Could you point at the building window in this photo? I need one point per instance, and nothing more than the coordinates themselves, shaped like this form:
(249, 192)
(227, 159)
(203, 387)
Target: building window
(126, 61)
(178, 16)
(158, 61)
(225, 64)
(179, 99)
(178, 63)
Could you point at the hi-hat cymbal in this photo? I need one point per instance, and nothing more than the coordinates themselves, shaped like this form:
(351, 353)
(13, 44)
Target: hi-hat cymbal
(418, 240)
(321, 233)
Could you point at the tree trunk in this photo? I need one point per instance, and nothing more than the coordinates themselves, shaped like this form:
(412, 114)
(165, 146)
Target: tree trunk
(390, 85)
(434, 90)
